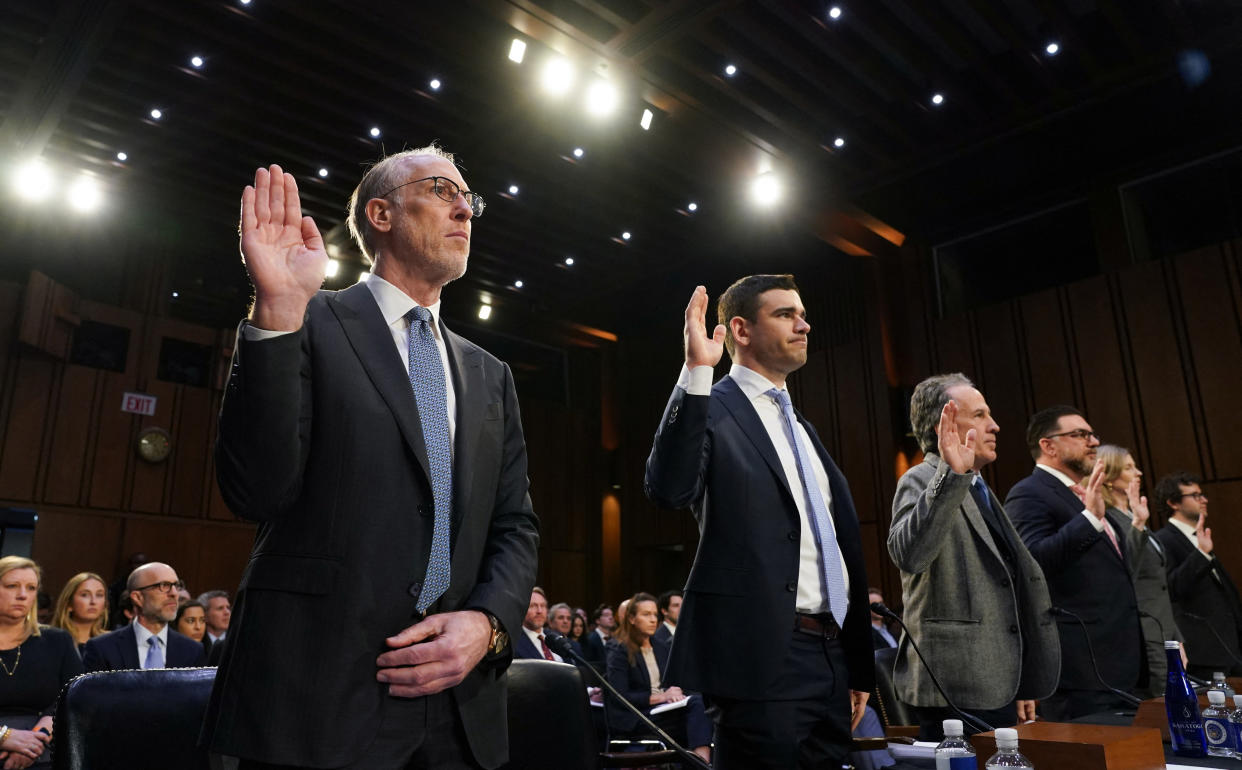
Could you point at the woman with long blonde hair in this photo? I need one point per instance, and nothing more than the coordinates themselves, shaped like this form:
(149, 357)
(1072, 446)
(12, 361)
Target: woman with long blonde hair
(82, 608)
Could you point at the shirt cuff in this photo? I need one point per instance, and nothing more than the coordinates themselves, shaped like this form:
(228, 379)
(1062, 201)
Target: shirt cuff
(252, 333)
(696, 381)
(1207, 556)
(1098, 523)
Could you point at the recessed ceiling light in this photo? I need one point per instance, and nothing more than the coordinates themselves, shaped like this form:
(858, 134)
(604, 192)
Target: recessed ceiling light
(518, 284)
(578, 152)
(557, 76)
(196, 62)
(1053, 48)
(625, 236)
(323, 173)
(334, 250)
(176, 294)
(435, 84)
(33, 181)
(937, 99)
(601, 98)
(834, 12)
(333, 267)
(375, 132)
(766, 189)
(157, 114)
(730, 70)
(122, 156)
(245, 2)
(84, 194)
(513, 189)
(838, 142)
(692, 206)
(645, 122)
(485, 312)
(569, 261)
(517, 51)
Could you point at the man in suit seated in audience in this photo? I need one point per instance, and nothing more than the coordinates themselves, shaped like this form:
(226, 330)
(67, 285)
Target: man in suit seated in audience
(219, 613)
(669, 604)
(1060, 513)
(976, 602)
(881, 637)
(560, 620)
(1205, 598)
(147, 642)
(530, 644)
(594, 644)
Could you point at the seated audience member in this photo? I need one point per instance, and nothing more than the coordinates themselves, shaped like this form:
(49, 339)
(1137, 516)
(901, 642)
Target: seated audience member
(577, 630)
(976, 602)
(635, 667)
(37, 663)
(1205, 598)
(183, 595)
(881, 637)
(191, 621)
(593, 648)
(560, 620)
(117, 592)
(530, 643)
(669, 605)
(219, 612)
(1060, 513)
(1128, 510)
(147, 642)
(82, 608)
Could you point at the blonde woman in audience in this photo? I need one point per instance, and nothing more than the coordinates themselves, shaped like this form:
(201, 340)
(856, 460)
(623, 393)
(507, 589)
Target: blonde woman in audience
(36, 661)
(1127, 507)
(82, 608)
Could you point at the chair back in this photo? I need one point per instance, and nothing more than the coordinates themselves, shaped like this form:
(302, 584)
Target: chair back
(549, 718)
(891, 709)
(133, 720)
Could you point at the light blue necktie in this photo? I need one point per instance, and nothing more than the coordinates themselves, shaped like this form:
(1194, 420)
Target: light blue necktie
(155, 655)
(431, 396)
(821, 521)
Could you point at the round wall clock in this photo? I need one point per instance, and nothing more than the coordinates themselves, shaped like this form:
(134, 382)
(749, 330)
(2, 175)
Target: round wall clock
(154, 444)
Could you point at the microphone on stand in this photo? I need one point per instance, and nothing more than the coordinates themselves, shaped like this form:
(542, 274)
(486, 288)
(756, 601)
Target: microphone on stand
(879, 609)
(1127, 697)
(562, 646)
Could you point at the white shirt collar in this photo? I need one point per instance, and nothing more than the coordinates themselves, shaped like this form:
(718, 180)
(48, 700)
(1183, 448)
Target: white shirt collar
(143, 634)
(1187, 529)
(1058, 475)
(394, 303)
(752, 383)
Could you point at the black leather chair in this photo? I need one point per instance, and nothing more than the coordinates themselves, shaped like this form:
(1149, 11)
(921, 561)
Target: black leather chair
(133, 719)
(892, 710)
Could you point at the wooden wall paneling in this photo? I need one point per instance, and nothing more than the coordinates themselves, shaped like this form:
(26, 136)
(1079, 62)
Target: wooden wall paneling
(1225, 500)
(560, 574)
(1215, 339)
(1049, 350)
(582, 460)
(952, 347)
(148, 481)
(999, 378)
(877, 561)
(72, 414)
(23, 450)
(175, 542)
(545, 447)
(66, 543)
(113, 450)
(223, 553)
(10, 312)
(48, 316)
(1106, 391)
(191, 440)
(1165, 414)
(857, 434)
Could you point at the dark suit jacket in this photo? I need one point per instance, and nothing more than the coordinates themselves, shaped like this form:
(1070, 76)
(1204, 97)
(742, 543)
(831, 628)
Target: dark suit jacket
(118, 650)
(878, 641)
(711, 453)
(594, 649)
(320, 442)
(1195, 591)
(663, 634)
(632, 681)
(1085, 576)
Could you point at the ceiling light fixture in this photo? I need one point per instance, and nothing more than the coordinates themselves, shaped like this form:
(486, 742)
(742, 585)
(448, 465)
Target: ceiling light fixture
(834, 12)
(32, 181)
(557, 76)
(569, 261)
(157, 114)
(692, 206)
(375, 132)
(517, 51)
(625, 236)
(601, 98)
(839, 142)
(578, 152)
(1053, 48)
(122, 156)
(196, 62)
(937, 99)
(84, 195)
(513, 189)
(435, 84)
(766, 189)
(518, 284)
(485, 312)
(730, 70)
(323, 173)
(645, 122)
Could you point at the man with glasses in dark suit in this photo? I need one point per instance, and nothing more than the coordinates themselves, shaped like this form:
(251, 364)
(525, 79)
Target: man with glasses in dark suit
(148, 641)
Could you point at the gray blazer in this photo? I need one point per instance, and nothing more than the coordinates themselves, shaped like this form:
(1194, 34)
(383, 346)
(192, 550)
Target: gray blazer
(960, 605)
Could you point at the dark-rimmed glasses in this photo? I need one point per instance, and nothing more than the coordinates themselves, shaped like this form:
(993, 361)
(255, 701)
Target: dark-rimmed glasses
(1195, 495)
(1080, 434)
(164, 586)
(447, 190)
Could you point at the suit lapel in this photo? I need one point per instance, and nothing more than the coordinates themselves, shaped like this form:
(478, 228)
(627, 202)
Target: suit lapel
(371, 340)
(744, 413)
(974, 517)
(466, 365)
(128, 640)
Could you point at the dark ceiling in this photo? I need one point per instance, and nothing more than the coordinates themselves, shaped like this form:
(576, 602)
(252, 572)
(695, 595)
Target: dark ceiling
(301, 82)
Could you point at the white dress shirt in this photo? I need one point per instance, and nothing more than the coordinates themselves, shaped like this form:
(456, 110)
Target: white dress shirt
(1189, 532)
(534, 639)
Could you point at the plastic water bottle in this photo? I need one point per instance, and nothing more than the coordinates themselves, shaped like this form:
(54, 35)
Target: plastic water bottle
(1217, 728)
(1182, 707)
(1007, 750)
(954, 752)
(1235, 723)
(1219, 682)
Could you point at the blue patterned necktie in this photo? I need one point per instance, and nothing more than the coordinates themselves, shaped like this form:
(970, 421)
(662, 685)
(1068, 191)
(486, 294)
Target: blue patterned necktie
(431, 397)
(821, 521)
(155, 655)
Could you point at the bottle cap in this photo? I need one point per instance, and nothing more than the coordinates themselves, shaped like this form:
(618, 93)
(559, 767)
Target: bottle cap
(1216, 697)
(1006, 737)
(1172, 645)
(952, 727)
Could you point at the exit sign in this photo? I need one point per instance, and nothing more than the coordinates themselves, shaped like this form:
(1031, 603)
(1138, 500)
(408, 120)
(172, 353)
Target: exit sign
(138, 403)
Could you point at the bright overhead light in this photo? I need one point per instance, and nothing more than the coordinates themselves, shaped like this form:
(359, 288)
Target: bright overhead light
(375, 132)
(692, 207)
(156, 114)
(937, 99)
(435, 84)
(196, 62)
(32, 181)
(834, 12)
(766, 190)
(569, 261)
(513, 189)
(333, 267)
(334, 250)
(557, 76)
(601, 98)
(579, 152)
(625, 236)
(176, 294)
(84, 194)
(517, 51)
(646, 120)
(518, 284)
(485, 312)
(122, 156)
(838, 142)
(730, 70)
(245, 2)
(1053, 48)
(323, 173)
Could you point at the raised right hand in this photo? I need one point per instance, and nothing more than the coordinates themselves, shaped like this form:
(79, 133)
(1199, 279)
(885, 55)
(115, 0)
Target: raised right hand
(958, 453)
(701, 350)
(282, 250)
(1203, 535)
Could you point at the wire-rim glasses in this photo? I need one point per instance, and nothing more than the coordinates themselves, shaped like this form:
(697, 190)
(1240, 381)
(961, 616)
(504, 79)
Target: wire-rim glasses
(447, 190)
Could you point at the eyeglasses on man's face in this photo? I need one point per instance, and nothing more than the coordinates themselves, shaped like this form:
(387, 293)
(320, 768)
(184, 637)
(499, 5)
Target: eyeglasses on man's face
(1079, 435)
(1196, 495)
(447, 190)
(164, 587)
